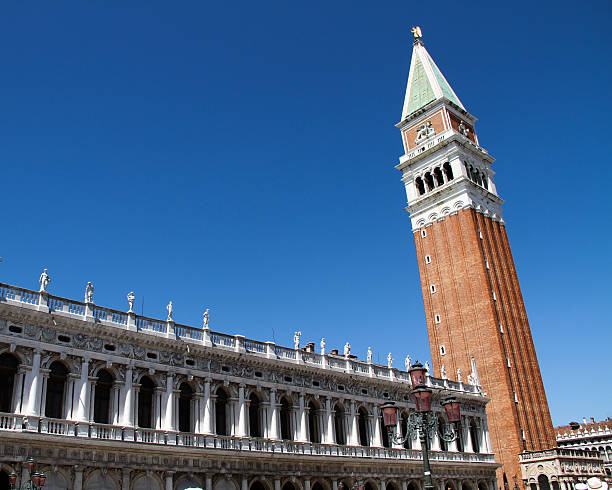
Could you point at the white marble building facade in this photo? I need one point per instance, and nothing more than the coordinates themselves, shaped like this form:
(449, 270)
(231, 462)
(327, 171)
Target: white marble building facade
(105, 399)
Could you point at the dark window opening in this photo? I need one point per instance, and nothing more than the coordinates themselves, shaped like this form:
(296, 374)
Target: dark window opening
(420, 186)
(339, 425)
(255, 414)
(56, 384)
(448, 171)
(102, 397)
(8, 369)
(285, 420)
(438, 176)
(221, 418)
(185, 403)
(364, 436)
(145, 403)
(429, 181)
(313, 423)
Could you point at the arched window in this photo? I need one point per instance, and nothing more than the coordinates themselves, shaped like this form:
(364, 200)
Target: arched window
(339, 427)
(404, 426)
(102, 397)
(438, 176)
(145, 403)
(420, 186)
(364, 434)
(474, 436)
(221, 408)
(285, 419)
(384, 433)
(543, 482)
(429, 181)
(448, 171)
(459, 440)
(185, 402)
(288, 486)
(443, 443)
(369, 486)
(313, 423)
(257, 485)
(255, 416)
(56, 386)
(413, 486)
(8, 370)
(485, 181)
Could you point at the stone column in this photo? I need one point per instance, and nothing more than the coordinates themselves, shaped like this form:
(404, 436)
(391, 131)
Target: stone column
(241, 432)
(168, 481)
(404, 485)
(125, 479)
(306, 483)
(467, 436)
(277, 485)
(80, 402)
(31, 387)
(377, 439)
(208, 482)
(302, 435)
(245, 483)
(273, 421)
(381, 484)
(158, 396)
(398, 432)
(17, 390)
(126, 404)
(329, 424)
(206, 406)
(334, 484)
(354, 431)
(78, 478)
(168, 404)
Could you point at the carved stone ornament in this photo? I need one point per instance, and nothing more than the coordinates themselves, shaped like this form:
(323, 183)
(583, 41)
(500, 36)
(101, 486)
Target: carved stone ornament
(425, 131)
(95, 343)
(48, 334)
(139, 352)
(126, 350)
(80, 341)
(31, 331)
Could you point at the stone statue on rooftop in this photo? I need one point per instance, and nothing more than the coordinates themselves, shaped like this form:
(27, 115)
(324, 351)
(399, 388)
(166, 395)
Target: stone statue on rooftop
(389, 360)
(44, 281)
(296, 340)
(170, 309)
(416, 32)
(89, 292)
(369, 358)
(408, 362)
(347, 349)
(323, 345)
(130, 298)
(459, 377)
(463, 129)
(206, 318)
(427, 368)
(443, 372)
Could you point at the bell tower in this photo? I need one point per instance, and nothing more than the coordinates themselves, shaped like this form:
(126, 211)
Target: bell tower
(473, 302)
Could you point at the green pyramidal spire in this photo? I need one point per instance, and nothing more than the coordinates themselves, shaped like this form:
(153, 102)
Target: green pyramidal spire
(425, 81)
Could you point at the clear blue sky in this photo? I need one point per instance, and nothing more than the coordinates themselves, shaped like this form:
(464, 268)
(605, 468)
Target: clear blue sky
(240, 155)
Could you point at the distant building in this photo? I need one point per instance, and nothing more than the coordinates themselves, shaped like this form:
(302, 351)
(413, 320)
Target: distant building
(590, 436)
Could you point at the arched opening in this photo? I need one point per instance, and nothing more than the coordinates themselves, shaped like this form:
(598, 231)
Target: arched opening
(459, 440)
(145, 403)
(255, 416)
(419, 185)
(448, 171)
(364, 434)
(146, 482)
(102, 397)
(429, 181)
(4, 480)
(543, 482)
(99, 481)
(443, 443)
(483, 486)
(317, 486)
(474, 436)
(221, 408)
(257, 485)
(185, 402)
(285, 419)
(438, 176)
(449, 485)
(56, 385)
(391, 486)
(369, 486)
(384, 433)
(289, 486)
(404, 427)
(8, 369)
(466, 486)
(313, 423)
(413, 486)
(339, 429)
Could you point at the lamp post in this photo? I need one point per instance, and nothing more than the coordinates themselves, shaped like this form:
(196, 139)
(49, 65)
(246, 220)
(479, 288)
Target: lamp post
(422, 422)
(36, 481)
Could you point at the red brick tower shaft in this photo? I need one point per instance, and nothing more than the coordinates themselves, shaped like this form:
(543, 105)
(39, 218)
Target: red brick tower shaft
(473, 302)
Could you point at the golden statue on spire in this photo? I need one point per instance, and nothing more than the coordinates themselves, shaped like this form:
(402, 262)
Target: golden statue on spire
(416, 32)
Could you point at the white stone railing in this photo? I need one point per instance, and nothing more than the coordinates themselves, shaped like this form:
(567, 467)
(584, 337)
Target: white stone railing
(66, 428)
(558, 452)
(45, 302)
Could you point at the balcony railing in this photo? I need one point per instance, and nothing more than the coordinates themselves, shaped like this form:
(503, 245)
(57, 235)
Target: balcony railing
(68, 429)
(129, 320)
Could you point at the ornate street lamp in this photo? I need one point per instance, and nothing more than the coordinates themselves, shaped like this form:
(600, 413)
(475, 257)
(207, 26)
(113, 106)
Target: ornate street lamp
(36, 481)
(423, 422)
